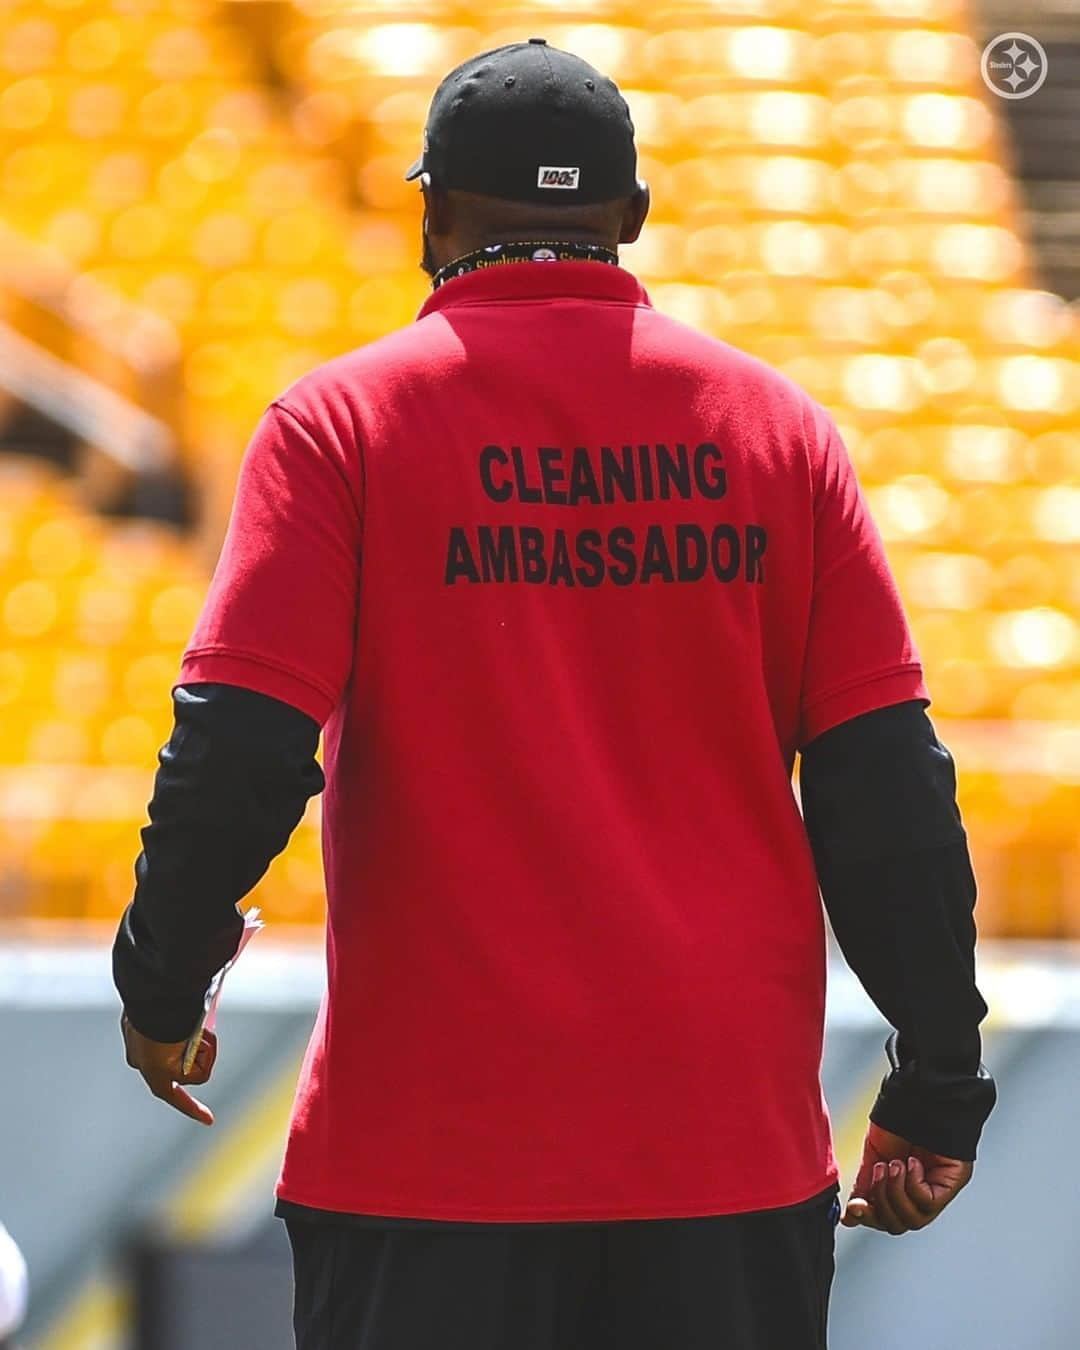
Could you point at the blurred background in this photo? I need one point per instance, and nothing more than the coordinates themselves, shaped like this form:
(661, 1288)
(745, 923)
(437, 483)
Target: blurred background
(199, 201)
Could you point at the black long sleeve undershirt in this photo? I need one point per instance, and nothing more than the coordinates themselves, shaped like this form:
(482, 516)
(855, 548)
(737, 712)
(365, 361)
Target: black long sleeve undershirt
(232, 785)
(879, 798)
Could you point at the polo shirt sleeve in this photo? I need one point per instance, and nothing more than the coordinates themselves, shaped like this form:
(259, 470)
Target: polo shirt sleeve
(859, 654)
(280, 615)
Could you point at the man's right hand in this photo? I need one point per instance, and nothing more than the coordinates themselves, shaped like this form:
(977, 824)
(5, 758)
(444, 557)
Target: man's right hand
(901, 1187)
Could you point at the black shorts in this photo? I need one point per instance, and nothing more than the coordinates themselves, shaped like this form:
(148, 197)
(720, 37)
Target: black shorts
(756, 1281)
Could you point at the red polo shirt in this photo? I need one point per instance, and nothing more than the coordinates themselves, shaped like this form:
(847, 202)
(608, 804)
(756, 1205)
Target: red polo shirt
(569, 585)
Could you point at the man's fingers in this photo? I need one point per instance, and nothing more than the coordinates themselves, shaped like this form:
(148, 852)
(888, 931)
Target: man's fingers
(854, 1213)
(190, 1106)
(901, 1205)
(859, 1214)
(858, 1201)
(919, 1191)
(895, 1198)
(166, 1090)
(879, 1198)
(203, 1065)
(198, 1073)
(901, 1194)
(946, 1179)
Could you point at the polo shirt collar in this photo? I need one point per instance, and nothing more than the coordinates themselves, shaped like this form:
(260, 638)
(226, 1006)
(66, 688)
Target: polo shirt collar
(538, 281)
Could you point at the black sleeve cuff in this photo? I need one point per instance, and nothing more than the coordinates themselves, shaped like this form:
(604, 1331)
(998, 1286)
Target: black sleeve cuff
(944, 1113)
(154, 1007)
(168, 1020)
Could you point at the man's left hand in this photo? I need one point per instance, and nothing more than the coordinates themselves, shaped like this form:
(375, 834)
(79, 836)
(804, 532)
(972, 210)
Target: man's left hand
(161, 1065)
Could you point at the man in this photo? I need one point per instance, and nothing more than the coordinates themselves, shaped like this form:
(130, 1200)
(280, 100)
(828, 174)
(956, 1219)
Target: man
(568, 585)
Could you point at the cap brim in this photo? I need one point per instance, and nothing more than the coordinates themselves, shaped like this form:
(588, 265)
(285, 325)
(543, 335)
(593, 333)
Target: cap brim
(415, 170)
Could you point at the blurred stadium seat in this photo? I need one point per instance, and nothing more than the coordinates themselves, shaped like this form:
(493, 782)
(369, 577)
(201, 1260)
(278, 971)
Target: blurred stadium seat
(202, 200)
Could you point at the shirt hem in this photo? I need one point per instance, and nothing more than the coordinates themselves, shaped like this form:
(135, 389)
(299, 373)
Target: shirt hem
(895, 684)
(857, 682)
(259, 674)
(375, 1209)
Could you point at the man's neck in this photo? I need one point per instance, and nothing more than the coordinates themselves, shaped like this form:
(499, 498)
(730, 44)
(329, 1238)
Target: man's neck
(525, 250)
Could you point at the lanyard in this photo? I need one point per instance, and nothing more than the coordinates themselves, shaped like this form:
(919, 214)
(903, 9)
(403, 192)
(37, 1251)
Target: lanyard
(536, 250)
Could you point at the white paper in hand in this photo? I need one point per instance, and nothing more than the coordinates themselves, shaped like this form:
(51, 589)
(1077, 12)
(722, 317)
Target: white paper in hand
(252, 924)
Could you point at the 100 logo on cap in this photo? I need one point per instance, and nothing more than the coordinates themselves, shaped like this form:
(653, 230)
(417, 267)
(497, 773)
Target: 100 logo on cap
(553, 177)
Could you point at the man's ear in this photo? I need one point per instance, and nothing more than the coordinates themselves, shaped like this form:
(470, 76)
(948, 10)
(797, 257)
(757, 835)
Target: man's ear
(436, 207)
(637, 208)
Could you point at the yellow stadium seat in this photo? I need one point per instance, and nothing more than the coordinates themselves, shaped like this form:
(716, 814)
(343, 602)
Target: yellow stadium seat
(829, 193)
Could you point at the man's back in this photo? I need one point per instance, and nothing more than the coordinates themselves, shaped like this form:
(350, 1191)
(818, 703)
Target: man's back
(567, 586)
(604, 573)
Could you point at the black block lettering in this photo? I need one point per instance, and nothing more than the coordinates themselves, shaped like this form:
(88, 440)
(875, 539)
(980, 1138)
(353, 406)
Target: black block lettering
(616, 470)
(709, 473)
(582, 479)
(756, 540)
(646, 469)
(673, 469)
(498, 492)
(524, 491)
(552, 473)
(533, 562)
(721, 535)
(656, 560)
(588, 550)
(498, 552)
(685, 568)
(459, 559)
(560, 561)
(621, 547)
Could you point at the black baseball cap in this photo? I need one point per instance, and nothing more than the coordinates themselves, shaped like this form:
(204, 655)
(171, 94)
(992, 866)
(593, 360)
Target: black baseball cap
(530, 123)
